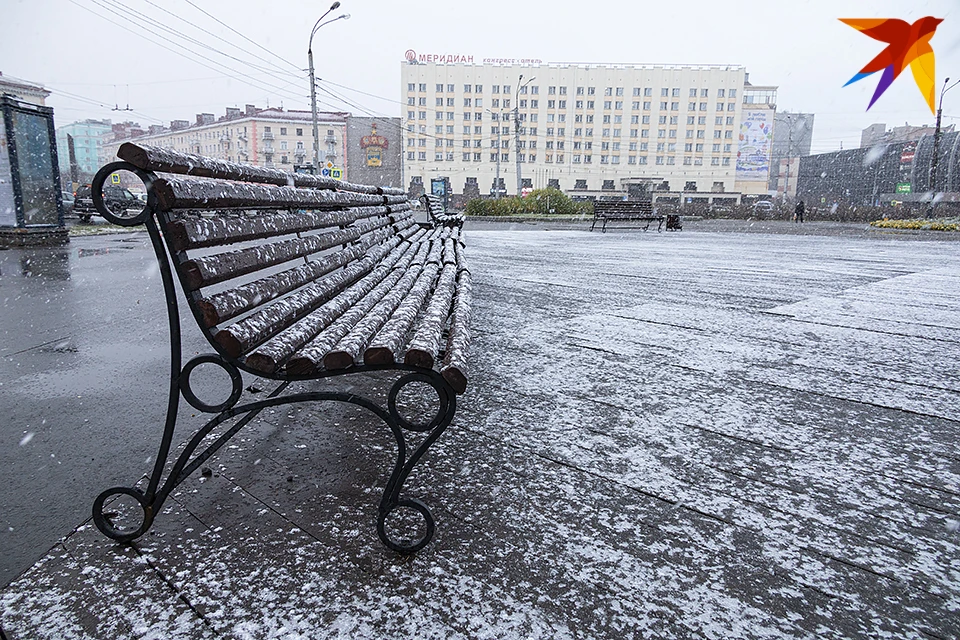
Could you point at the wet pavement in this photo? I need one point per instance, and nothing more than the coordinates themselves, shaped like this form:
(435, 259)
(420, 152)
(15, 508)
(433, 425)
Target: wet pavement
(735, 431)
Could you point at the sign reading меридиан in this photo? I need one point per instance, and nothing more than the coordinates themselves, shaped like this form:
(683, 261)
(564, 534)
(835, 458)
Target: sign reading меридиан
(457, 58)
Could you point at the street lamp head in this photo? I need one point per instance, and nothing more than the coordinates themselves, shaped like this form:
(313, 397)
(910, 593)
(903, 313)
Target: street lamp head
(343, 16)
(334, 6)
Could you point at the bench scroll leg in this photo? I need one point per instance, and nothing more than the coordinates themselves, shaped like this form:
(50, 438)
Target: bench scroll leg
(391, 500)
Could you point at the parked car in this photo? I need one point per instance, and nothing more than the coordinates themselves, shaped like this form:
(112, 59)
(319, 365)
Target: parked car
(117, 200)
(67, 199)
(763, 207)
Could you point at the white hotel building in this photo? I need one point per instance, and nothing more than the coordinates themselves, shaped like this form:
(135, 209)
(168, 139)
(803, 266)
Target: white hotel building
(587, 129)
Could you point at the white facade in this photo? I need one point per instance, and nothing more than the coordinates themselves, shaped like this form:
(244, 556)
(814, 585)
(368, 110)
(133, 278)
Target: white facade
(587, 129)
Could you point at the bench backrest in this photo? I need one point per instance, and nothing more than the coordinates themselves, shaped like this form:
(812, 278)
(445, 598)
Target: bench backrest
(438, 213)
(622, 208)
(269, 260)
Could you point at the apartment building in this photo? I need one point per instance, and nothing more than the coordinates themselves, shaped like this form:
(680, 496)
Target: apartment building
(587, 129)
(270, 137)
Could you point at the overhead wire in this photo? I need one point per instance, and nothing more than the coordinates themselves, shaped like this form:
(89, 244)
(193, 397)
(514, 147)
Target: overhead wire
(263, 86)
(196, 26)
(132, 15)
(224, 24)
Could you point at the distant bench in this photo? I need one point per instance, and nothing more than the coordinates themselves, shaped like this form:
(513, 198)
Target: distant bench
(434, 206)
(625, 210)
(295, 277)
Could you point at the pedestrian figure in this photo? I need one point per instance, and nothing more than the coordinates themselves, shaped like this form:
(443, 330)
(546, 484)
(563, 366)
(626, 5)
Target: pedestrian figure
(798, 212)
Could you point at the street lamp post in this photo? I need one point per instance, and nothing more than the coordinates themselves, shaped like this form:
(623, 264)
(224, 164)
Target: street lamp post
(935, 161)
(313, 87)
(499, 114)
(516, 123)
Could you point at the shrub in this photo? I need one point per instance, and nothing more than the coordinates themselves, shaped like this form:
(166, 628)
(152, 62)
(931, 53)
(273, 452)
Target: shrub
(541, 202)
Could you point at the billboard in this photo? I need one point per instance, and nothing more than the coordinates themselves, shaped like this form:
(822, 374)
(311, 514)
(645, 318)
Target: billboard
(756, 142)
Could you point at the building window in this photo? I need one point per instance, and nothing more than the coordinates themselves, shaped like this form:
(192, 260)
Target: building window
(719, 106)
(663, 106)
(720, 93)
(466, 88)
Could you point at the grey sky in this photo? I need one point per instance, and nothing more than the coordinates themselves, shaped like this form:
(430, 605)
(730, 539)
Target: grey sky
(93, 64)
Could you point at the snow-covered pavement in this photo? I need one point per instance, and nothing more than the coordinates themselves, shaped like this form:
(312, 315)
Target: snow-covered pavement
(677, 435)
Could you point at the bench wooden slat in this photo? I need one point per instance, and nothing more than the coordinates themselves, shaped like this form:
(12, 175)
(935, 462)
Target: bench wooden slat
(228, 304)
(358, 298)
(189, 193)
(213, 269)
(150, 158)
(385, 346)
(185, 233)
(309, 359)
(269, 320)
(425, 345)
(454, 368)
(347, 351)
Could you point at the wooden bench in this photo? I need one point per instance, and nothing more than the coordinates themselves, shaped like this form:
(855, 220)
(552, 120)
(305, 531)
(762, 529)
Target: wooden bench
(295, 277)
(628, 210)
(434, 206)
